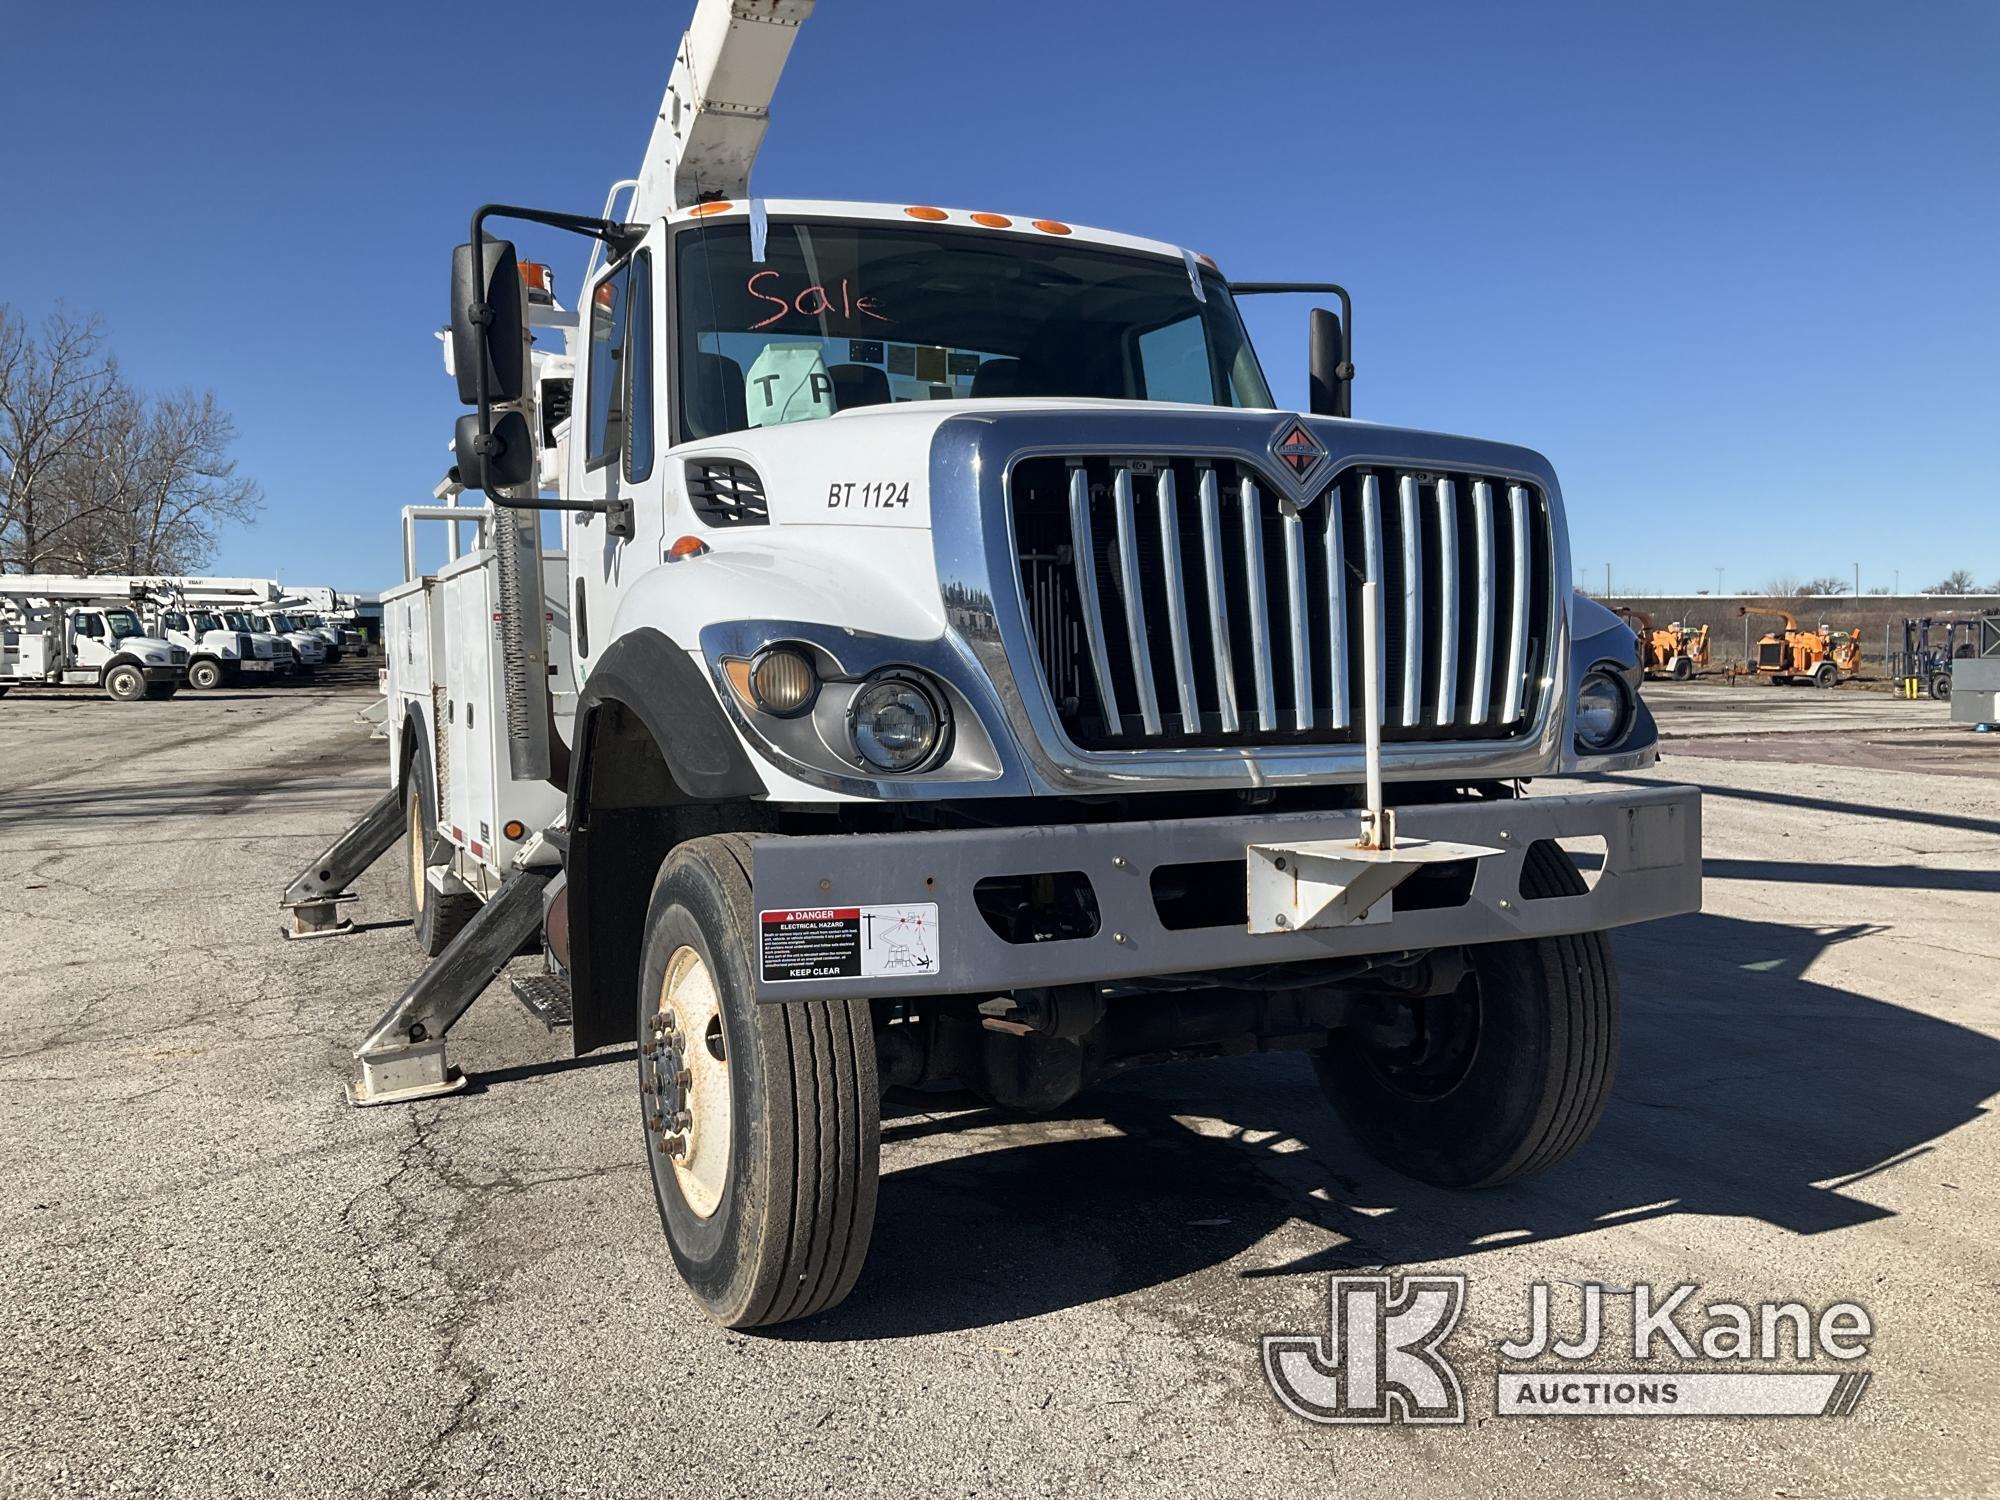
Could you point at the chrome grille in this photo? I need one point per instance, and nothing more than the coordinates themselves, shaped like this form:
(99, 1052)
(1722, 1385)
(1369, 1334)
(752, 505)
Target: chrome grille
(1175, 601)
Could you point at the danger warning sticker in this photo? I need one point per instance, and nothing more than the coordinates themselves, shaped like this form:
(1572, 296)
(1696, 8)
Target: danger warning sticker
(848, 942)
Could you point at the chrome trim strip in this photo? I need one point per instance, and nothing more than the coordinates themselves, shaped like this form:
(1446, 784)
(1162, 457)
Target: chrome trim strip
(1448, 622)
(1135, 602)
(1218, 601)
(1259, 602)
(1167, 493)
(1517, 644)
(1301, 621)
(1371, 543)
(1083, 556)
(1413, 601)
(1336, 606)
(1482, 636)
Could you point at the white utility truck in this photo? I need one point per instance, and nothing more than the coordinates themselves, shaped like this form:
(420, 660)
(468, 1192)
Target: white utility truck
(309, 649)
(268, 607)
(72, 631)
(218, 654)
(958, 671)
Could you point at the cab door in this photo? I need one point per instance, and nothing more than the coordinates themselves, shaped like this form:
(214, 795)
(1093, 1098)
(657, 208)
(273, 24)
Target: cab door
(89, 639)
(617, 429)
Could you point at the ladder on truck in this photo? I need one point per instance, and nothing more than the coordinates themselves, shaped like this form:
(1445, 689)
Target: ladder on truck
(703, 144)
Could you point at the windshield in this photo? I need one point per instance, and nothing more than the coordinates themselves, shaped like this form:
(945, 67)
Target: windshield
(123, 623)
(207, 622)
(239, 622)
(836, 316)
(311, 621)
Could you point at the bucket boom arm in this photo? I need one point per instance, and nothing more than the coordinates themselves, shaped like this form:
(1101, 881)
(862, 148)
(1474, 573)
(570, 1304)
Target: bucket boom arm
(718, 103)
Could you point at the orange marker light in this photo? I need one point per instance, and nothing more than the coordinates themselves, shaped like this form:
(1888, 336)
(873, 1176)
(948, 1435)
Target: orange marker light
(535, 276)
(928, 214)
(1051, 226)
(703, 210)
(993, 221)
(514, 828)
(687, 546)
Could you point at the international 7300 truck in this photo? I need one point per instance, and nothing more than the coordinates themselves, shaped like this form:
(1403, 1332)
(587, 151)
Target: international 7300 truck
(957, 671)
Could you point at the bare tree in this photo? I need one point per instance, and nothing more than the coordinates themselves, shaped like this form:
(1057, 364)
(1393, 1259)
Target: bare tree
(54, 392)
(1824, 586)
(99, 478)
(1959, 582)
(1784, 586)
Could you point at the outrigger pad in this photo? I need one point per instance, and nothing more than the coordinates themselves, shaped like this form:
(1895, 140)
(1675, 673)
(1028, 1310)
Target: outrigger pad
(402, 1057)
(317, 919)
(418, 1071)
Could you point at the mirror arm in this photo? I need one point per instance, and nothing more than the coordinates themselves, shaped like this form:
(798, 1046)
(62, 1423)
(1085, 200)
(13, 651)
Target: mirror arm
(1266, 288)
(619, 238)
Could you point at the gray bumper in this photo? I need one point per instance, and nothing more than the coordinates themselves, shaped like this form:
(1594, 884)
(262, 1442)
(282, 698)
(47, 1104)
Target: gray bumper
(1652, 868)
(159, 676)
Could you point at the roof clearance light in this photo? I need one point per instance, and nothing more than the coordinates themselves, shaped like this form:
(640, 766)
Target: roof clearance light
(687, 546)
(928, 214)
(1051, 226)
(993, 221)
(703, 210)
(536, 278)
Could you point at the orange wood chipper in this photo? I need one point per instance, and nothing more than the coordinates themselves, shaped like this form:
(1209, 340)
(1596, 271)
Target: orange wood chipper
(1677, 651)
(1821, 657)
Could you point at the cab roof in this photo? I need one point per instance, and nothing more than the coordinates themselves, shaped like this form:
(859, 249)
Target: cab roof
(1020, 226)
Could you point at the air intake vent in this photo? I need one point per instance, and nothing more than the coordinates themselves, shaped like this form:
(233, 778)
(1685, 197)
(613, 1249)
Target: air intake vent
(726, 494)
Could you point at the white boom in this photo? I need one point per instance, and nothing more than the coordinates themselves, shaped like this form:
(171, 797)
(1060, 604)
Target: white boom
(717, 104)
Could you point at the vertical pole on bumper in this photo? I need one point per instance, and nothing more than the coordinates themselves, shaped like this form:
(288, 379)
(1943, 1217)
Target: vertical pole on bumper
(1378, 824)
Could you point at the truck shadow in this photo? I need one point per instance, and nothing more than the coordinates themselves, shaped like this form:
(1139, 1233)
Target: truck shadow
(1744, 1089)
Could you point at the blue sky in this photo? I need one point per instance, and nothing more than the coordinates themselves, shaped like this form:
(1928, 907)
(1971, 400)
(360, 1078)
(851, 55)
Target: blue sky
(1732, 267)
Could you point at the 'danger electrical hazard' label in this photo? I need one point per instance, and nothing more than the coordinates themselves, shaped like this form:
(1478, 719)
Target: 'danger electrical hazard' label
(848, 942)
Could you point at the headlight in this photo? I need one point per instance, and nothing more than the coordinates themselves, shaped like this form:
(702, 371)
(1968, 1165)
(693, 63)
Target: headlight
(896, 723)
(1603, 709)
(782, 682)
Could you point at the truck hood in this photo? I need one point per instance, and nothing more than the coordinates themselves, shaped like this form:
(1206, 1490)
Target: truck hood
(871, 467)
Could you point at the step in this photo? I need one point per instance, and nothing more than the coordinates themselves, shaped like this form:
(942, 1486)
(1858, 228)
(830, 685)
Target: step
(546, 997)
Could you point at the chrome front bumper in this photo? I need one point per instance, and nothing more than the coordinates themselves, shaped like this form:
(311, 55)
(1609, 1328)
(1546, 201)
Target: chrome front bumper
(1652, 868)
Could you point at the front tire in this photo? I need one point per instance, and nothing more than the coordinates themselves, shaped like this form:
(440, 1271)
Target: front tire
(125, 683)
(1941, 687)
(762, 1122)
(1683, 669)
(1516, 1074)
(205, 676)
(1825, 675)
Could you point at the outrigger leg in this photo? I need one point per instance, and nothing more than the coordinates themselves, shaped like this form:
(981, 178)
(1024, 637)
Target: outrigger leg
(315, 898)
(403, 1056)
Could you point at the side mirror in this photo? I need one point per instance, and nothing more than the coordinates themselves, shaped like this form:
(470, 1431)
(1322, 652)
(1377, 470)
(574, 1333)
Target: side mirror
(1331, 373)
(508, 459)
(488, 314)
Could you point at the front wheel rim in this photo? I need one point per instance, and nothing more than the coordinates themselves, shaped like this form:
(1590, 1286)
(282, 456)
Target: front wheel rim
(685, 1069)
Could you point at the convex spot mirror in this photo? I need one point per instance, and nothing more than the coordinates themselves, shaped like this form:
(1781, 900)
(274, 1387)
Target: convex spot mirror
(509, 459)
(488, 313)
